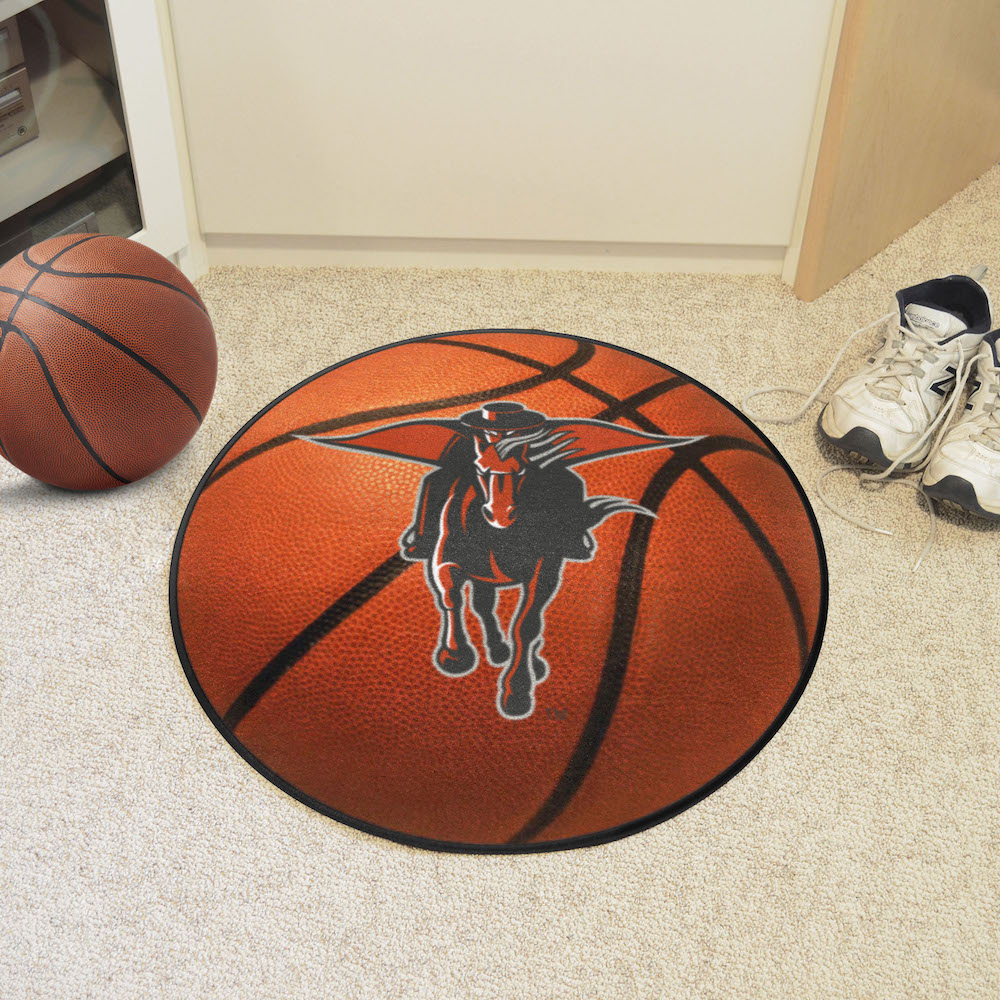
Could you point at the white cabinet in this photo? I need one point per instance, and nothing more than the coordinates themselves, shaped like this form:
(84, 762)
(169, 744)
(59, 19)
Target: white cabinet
(646, 122)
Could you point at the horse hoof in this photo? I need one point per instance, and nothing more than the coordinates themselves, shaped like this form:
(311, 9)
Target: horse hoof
(498, 653)
(457, 662)
(516, 699)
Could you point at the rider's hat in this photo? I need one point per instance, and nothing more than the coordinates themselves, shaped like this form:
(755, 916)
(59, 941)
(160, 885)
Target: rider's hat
(503, 416)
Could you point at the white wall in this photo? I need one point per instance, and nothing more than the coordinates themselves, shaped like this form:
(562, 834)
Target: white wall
(639, 122)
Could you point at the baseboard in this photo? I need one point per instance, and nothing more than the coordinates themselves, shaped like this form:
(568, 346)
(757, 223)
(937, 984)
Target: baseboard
(334, 251)
(193, 259)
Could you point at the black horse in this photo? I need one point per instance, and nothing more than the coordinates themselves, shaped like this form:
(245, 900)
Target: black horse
(502, 508)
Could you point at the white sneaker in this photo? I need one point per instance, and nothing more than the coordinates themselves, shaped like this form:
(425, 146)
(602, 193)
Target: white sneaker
(965, 467)
(887, 412)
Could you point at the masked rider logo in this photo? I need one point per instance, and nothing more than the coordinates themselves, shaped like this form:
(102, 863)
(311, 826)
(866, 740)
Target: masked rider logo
(502, 508)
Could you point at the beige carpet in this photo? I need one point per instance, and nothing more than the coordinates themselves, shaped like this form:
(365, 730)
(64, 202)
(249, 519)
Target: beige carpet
(856, 857)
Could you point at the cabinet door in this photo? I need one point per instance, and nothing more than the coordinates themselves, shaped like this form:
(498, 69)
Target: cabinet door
(639, 121)
(913, 116)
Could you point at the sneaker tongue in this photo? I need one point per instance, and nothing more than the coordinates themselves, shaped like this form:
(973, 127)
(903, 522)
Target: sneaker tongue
(939, 322)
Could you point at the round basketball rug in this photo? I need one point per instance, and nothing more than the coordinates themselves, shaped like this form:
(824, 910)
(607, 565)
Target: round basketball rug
(498, 591)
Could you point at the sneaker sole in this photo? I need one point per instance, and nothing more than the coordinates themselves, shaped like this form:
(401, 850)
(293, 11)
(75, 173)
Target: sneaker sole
(962, 492)
(863, 442)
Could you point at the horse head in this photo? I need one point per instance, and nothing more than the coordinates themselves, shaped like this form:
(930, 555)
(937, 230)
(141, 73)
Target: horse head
(501, 433)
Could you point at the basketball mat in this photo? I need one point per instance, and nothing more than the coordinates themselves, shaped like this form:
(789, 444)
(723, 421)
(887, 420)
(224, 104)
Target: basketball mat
(499, 591)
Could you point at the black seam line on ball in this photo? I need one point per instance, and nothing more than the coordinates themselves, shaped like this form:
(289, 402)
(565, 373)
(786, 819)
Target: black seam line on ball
(8, 324)
(22, 292)
(65, 409)
(583, 353)
(637, 399)
(4, 327)
(345, 605)
(622, 407)
(612, 679)
(48, 269)
(768, 551)
(127, 351)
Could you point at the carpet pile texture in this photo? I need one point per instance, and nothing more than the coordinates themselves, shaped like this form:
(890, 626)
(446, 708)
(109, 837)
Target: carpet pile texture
(856, 857)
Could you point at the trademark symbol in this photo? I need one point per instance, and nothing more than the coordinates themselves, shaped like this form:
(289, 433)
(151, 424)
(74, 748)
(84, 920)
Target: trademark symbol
(559, 714)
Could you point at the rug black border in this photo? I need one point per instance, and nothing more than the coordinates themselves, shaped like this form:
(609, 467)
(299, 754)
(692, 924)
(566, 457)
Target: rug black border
(426, 843)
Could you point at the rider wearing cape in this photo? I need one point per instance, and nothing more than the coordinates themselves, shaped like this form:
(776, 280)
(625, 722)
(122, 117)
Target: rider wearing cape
(563, 517)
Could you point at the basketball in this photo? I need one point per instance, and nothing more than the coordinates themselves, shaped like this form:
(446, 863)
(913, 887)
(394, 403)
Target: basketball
(107, 361)
(499, 591)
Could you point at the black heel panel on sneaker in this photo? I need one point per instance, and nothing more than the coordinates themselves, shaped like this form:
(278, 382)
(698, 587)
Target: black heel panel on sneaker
(962, 492)
(863, 442)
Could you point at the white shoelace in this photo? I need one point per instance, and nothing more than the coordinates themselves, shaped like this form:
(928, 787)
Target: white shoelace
(894, 368)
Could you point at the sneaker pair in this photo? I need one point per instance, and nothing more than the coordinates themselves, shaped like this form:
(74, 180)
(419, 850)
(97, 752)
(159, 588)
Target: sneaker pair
(900, 411)
(911, 387)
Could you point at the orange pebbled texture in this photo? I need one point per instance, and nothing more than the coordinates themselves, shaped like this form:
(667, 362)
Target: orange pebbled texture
(674, 653)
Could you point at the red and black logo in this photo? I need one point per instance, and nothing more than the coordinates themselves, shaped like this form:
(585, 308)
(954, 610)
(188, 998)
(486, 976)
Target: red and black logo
(502, 507)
